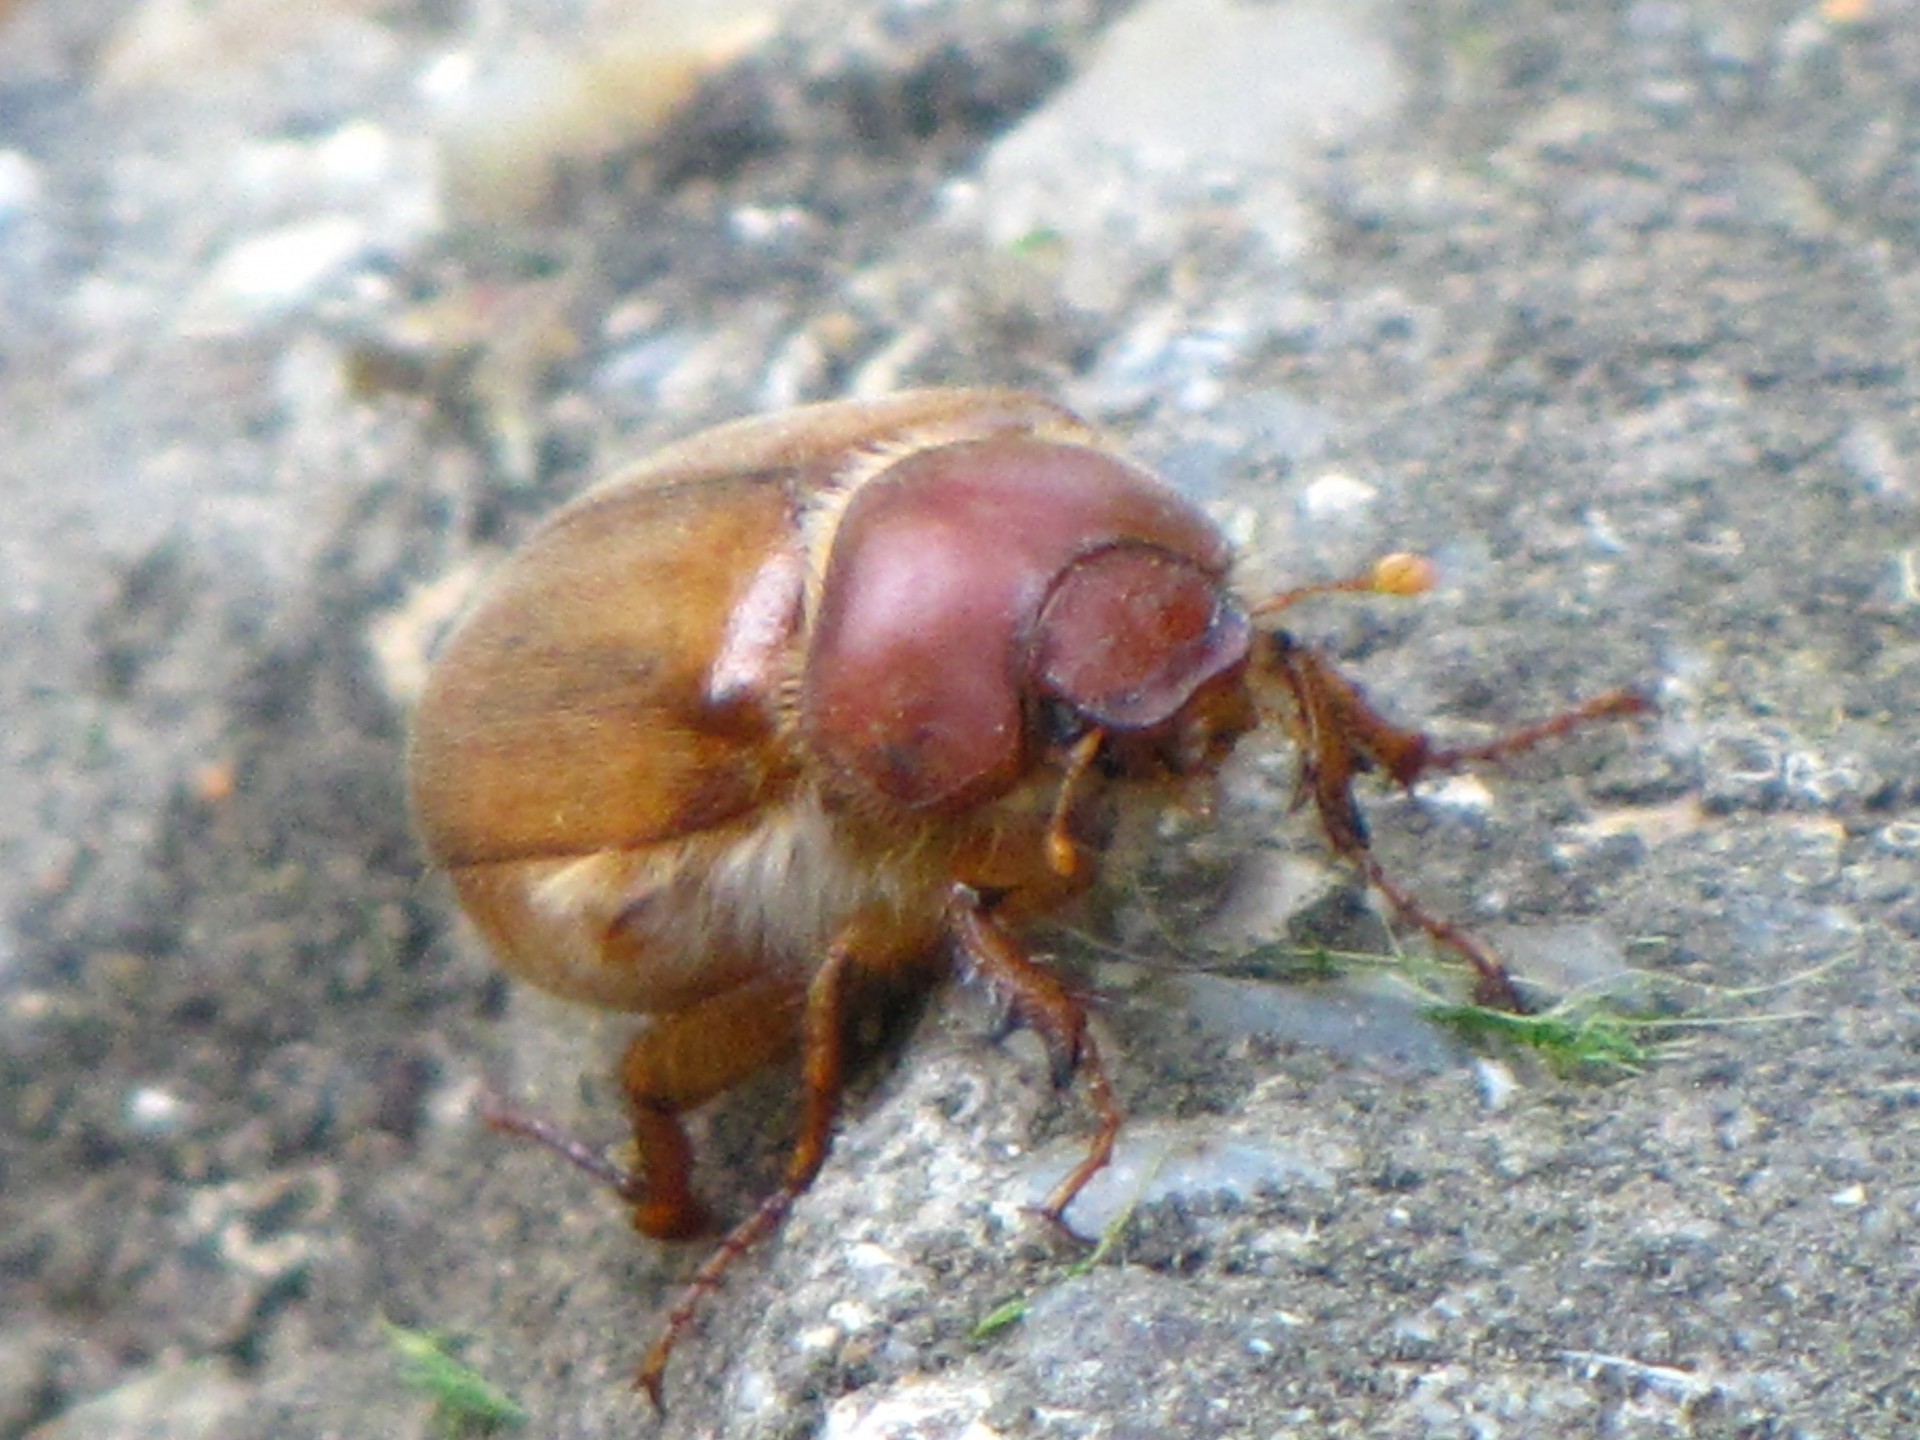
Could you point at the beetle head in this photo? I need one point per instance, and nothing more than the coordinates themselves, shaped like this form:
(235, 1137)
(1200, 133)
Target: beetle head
(973, 592)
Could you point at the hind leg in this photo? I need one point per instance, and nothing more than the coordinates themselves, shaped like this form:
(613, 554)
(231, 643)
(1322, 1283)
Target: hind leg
(679, 1062)
(684, 1060)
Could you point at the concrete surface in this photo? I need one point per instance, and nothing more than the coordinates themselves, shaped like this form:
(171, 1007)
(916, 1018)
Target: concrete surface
(1609, 308)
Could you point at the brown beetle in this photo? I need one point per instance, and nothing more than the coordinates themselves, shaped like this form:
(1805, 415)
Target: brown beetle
(853, 689)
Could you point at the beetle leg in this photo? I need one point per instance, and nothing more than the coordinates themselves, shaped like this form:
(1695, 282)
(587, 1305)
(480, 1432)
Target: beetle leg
(1042, 1002)
(683, 1060)
(498, 1113)
(1340, 734)
(1614, 705)
(1065, 857)
(822, 1048)
(669, 1068)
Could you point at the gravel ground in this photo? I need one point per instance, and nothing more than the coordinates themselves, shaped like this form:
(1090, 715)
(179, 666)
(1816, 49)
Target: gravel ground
(306, 312)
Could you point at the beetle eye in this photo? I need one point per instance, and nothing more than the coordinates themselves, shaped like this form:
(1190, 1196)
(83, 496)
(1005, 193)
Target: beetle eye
(1061, 725)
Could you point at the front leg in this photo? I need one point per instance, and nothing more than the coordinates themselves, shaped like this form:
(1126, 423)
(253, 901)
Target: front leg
(1040, 1001)
(1340, 735)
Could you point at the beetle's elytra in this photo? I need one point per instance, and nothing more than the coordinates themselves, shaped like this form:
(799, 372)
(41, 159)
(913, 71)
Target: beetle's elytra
(853, 689)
